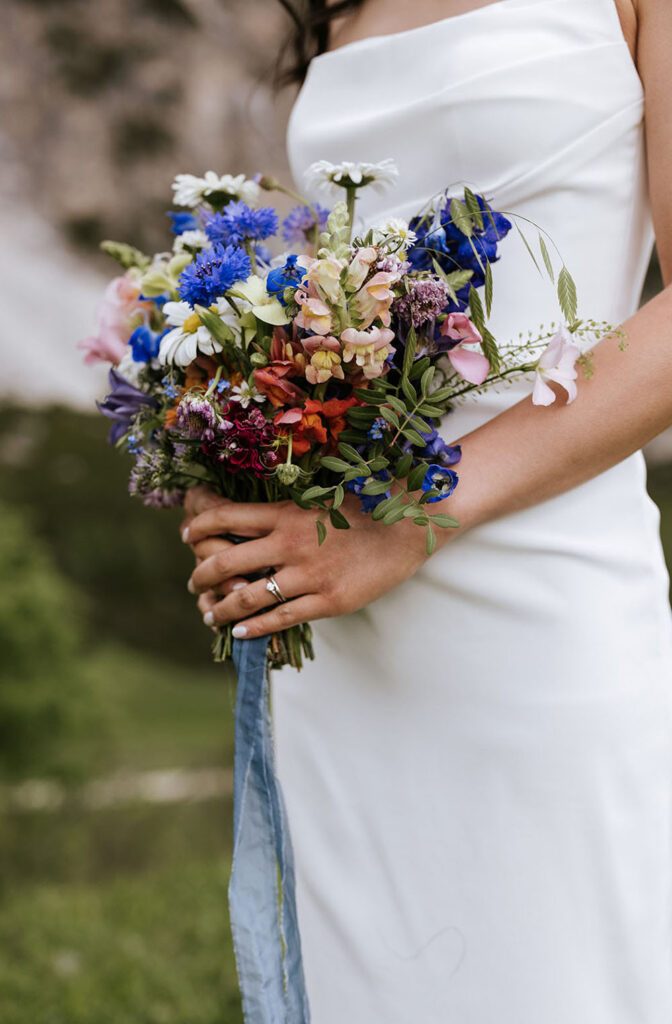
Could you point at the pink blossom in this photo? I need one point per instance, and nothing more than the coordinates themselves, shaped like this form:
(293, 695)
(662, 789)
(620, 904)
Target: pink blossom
(120, 312)
(375, 298)
(472, 366)
(360, 266)
(557, 363)
(325, 359)
(315, 315)
(369, 349)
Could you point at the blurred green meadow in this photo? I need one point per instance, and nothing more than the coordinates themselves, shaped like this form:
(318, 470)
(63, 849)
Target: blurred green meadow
(112, 909)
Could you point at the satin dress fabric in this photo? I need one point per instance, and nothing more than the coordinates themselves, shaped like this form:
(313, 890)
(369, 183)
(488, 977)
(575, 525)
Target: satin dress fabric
(478, 765)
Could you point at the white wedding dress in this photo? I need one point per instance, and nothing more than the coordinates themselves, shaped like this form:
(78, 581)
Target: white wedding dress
(478, 766)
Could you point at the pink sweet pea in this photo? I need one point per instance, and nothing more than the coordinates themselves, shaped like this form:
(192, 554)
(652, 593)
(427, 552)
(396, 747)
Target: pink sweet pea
(120, 312)
(473, 366)
(557, 363)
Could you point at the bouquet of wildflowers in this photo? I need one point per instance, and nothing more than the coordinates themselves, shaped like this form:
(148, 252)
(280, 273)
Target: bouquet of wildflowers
(325, 368)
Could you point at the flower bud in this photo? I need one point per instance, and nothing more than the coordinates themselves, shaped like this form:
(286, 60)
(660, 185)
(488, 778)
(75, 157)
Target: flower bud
(259, 359)
(287, 473)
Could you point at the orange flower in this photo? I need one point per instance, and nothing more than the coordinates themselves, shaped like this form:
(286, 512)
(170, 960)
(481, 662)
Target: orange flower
(317, 423)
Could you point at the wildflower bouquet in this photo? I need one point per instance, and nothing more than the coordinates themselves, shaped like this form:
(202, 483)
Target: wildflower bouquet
(323, 369)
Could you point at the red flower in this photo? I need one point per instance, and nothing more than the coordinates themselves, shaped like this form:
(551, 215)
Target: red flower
(318, 423)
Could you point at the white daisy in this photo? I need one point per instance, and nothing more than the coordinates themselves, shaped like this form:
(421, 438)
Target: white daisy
(189, 337)
(128, 368)
(190, 190)
(245, 394)
(395, 231)
(325, 175)
(190, 240)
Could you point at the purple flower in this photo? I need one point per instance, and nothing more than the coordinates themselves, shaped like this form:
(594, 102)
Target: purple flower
(440, 452)
(212, 273)
(425, 300)
(122, 405)
(197, 417)
(299, 225)
(238, 223)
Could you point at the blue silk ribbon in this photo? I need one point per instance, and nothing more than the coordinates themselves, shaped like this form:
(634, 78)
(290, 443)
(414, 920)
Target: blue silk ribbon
(262, 903)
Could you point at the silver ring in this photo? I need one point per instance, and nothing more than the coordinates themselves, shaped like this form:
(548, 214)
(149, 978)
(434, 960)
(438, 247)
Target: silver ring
(273, 588)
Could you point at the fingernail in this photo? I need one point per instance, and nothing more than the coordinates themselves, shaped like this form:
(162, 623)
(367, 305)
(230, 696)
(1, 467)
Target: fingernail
(238, 586)
(239, 632)
(190, 587)
(185, 534)
(209, 619)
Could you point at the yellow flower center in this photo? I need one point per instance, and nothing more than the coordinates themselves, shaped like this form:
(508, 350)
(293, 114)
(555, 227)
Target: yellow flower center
(191, 324)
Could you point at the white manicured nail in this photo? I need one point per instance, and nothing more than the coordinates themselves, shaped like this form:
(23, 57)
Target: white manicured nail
(238, 586)
(185, 534)
(191, 588)
(209, 619)
(239, 632)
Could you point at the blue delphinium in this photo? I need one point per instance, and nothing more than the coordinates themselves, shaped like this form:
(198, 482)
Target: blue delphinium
(212, 273)
(299, 225)
(287, 276)
(441, 240)
(145, 343)
(239, 223)
(369, 501)
(442, 479)
(182, 222)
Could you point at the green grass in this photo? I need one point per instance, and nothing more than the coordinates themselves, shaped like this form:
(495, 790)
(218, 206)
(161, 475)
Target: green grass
(149, 950)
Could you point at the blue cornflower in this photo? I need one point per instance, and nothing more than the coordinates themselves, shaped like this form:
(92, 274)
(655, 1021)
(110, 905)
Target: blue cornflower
(145, 343)
(369, 501)
(287, 276)
(299, 225)
(239, 223)
(212, 273)
(375, 431)
(444, 480)
(182, 222)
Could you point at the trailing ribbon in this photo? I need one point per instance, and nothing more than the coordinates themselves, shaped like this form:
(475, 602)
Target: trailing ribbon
(264, 923)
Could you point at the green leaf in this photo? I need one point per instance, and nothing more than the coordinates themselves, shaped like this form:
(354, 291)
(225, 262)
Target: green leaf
(410, 349)
(476, 309)
(474, 208)
(461, 218)
(567, 295)
(388, 505)
(321, 532)
(393, 516)
(547, 258)
(390, 416)
(353, 472)
(369, 395)
(414, 437)
(426, 380)
(419, 424)
(490, 349)
(353, 436)
(316, 492)
(378, 463)
(403, 467)
(409, 390)
(350, 453)
(397, 405)
(430, 544)
(218, 329)
(488, 287)
(339, 495)
(419, 368)
(529, 249)
(426, 409)
(416, 476)
(376, 487)
(444, 520)
(337, 465)
(338, 520)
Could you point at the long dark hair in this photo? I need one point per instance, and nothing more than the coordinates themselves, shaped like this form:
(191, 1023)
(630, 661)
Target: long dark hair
(309, 34)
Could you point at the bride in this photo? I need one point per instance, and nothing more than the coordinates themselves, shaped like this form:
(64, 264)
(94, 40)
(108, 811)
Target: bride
(478, 765)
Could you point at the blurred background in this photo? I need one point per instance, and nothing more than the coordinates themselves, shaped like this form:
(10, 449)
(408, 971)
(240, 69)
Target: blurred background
(115, 728)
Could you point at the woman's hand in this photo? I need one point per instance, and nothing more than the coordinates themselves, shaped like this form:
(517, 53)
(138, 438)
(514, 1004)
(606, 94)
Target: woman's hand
(348, 571)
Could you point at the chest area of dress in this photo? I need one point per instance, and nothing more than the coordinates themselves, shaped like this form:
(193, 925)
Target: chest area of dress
(516, 86)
